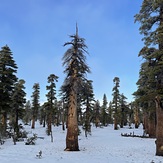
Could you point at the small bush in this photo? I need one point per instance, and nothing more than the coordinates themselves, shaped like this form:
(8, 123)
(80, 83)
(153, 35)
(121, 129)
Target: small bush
(31, 140)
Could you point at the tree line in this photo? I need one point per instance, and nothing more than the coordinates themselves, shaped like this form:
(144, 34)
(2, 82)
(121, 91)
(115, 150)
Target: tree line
(149, 95)
(77, 105)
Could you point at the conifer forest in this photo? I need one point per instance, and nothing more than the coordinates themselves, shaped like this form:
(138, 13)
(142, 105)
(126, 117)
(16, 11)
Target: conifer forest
(73, 109)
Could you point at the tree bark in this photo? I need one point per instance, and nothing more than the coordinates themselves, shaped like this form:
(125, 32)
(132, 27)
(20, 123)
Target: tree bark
(49, 124)
(72, 130)
(16, 127)
(63, 120)
(115, 123)
(4, 123)
(152, 124)
(33, 122)
(145, 123)
(159, 127)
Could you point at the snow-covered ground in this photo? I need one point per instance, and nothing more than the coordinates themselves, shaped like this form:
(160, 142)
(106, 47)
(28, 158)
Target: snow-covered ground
(104, 146)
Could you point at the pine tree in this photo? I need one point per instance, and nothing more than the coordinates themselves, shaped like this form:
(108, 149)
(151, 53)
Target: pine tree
(27, 114)
(60, 114)
(43, 113)
(116, 102)
(76, 68)
(35, 103)
(18, 101)
(104, 115)
(123, 110)
(88, 102)
(97, 113)
(8, 70)
(146, 92)
(150, 17)
(51, 99)
(56, 114)
(110, 113)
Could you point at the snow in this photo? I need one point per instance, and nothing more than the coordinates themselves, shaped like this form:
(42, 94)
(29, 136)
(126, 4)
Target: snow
(105, 145)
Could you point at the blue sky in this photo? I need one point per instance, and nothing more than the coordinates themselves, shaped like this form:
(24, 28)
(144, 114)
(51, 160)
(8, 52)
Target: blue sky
(35, 31)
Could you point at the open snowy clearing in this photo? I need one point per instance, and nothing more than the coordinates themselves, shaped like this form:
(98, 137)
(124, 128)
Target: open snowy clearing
(104, 146)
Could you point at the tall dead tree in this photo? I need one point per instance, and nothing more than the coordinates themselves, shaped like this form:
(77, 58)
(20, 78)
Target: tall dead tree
(76, 68)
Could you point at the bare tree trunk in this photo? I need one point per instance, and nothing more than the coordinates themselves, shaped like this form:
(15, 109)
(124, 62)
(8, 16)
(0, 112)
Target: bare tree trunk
(152, 125)
(63, 125)
(115, 122)
(72, 130)
(16, 127)
(51, 134)
(33, 122)
(49, 124)
(145, 123)
(4, 123)
(44, 121)
(63, 121)
(136, 117)
(116, 116)
(159, 127)
(115, 125)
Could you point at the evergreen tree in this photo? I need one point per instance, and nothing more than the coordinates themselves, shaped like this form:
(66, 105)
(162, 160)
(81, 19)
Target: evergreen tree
(130, 112)
(123, 110)
(145, 96)
(56, 114)
(60, 114)
(110, 113)
(88, 99)
(104, 115)
(76, 68)
(18, 101)
(35, 103)
(116, 102)
(97, 113)
(8, 70)
(51, 99)
(27, 114)
(150, 17)
(43, 114)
